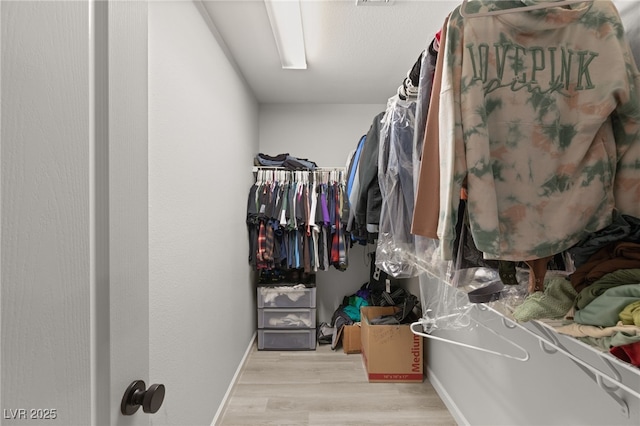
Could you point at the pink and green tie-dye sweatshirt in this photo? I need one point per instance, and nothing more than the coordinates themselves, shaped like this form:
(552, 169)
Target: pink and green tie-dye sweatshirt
(540, 114)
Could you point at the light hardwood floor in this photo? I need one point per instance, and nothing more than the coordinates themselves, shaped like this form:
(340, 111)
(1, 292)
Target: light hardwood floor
(325, 387)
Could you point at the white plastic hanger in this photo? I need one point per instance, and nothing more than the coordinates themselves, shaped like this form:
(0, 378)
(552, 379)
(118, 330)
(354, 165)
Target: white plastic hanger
(523, 358)
(544, 5)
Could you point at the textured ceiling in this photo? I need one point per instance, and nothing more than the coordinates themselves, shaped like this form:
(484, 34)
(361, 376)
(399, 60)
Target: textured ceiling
(355, 54)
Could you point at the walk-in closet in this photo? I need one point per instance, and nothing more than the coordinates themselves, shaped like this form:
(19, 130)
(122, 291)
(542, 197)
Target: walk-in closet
(312, 212)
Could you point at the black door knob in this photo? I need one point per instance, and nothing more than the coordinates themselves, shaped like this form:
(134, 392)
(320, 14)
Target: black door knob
(151, 399)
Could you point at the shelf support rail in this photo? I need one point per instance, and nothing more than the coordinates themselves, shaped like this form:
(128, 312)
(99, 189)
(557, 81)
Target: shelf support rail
(593, 373)
(549, 345)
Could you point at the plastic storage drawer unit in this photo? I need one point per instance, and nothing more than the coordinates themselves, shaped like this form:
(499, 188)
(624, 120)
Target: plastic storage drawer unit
(286, 297)
(287, 339)
(287, 318)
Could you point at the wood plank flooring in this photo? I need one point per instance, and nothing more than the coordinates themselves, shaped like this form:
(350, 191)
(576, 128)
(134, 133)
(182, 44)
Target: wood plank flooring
(325, 387)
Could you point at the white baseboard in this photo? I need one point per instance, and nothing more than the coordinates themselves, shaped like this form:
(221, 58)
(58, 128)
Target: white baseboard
(446, 398)
(223, 403)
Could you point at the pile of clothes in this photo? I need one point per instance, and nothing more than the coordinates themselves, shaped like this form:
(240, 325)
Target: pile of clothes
(599, 302)
(285, 160)
(348, 313)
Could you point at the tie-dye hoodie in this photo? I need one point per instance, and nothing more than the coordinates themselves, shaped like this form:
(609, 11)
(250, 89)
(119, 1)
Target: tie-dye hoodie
(540, 113)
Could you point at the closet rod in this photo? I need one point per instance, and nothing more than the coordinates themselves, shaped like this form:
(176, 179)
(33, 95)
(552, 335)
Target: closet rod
(538, 6)
(317, 169)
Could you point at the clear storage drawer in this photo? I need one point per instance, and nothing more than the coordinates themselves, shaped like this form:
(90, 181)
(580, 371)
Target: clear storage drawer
(287, 318)
(287, 339)
(286, 297)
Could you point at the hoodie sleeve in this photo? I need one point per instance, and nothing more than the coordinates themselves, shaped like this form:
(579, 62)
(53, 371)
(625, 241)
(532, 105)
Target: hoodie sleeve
(452, 152)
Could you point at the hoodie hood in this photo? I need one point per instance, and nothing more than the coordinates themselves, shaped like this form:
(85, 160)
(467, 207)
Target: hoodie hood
(549, 18)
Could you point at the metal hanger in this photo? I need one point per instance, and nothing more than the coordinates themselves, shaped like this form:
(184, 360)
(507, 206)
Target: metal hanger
(538, 6)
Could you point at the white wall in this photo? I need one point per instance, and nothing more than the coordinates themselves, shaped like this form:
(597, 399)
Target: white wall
(326, 134)
(203, 133)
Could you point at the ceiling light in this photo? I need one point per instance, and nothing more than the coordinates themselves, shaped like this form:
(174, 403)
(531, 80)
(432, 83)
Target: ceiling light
(286, 24)
(374, 2)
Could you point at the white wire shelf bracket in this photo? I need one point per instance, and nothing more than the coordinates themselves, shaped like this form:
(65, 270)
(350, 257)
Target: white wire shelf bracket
(549, 342)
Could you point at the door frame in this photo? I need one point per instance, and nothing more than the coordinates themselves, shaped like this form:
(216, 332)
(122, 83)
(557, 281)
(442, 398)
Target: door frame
(120, 296)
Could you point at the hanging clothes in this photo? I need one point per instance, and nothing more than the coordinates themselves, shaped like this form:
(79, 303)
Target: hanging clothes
(353, 188)
(427, 183)
(540, 117)
(425, 85)
(382, 171)
(395, 176)
(295, 221)
(369, 199)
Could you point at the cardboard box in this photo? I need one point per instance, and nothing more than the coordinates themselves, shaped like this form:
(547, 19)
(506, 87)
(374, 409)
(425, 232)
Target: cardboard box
(351, 340)
(391, 353)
